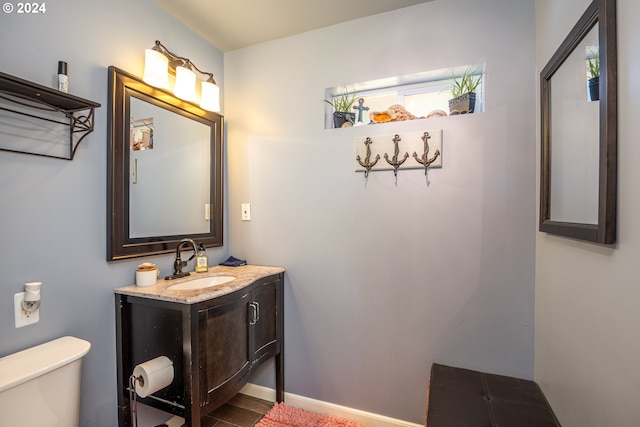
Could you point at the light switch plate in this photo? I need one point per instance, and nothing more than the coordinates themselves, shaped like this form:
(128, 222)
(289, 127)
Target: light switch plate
(21, 318)
(246, 211)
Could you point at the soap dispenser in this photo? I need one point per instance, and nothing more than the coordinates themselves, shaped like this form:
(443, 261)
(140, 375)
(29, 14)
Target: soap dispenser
(202, 263)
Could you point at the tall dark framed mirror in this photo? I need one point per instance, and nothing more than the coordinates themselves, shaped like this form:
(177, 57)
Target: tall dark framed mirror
(164, 170)
(578, 177)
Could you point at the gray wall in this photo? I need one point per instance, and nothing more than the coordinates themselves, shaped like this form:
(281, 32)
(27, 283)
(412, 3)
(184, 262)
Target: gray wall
(384, 279)
(53, 212)
(587, 317)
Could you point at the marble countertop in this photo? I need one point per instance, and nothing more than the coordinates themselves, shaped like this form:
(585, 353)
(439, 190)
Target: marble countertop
(244, 276)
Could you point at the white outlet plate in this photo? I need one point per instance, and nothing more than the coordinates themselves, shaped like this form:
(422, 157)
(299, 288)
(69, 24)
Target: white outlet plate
(21, 318)
(246, 211)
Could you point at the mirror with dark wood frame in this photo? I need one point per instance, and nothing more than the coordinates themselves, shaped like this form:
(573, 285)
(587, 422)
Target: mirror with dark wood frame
(164, 171)
(578, 182)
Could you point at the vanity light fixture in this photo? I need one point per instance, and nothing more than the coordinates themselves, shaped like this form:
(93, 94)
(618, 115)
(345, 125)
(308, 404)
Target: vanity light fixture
(158, 61)
(210, 95)
(185, 87)
(156, 67)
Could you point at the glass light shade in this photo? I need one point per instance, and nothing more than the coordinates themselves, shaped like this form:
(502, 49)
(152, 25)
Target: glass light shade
(156, 69)
(185, 87)
(210, 97)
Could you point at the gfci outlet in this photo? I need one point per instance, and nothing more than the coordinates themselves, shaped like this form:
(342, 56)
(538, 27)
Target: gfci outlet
(246, 211)
(22, 318)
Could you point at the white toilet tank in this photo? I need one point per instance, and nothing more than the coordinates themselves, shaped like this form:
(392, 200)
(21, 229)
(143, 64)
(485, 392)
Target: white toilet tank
(40, 386)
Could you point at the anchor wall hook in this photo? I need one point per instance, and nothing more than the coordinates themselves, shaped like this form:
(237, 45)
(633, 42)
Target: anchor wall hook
(367, 164)
(394, 160)
(424, 159)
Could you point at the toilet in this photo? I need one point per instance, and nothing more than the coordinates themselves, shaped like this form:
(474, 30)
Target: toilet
(40, 386)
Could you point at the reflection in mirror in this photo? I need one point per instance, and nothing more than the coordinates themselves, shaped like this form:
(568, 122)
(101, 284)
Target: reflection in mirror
(575, 147)
(165, 170)
(579, 130)
(170, 155)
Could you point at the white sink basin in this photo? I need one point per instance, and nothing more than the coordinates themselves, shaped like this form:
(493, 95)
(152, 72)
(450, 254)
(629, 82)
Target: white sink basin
(201, 283)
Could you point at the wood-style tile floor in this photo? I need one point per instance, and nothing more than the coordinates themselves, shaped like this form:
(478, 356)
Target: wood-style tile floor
(241, 411)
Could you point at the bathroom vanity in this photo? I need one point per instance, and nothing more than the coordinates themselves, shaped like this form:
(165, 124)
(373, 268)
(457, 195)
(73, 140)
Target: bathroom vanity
(215, 336)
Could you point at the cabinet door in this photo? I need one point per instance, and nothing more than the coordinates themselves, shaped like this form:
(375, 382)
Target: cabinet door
(225, 357)
(265, 299)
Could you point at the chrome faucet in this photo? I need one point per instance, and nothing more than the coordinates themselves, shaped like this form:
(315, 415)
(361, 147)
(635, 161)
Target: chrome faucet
(178, 264)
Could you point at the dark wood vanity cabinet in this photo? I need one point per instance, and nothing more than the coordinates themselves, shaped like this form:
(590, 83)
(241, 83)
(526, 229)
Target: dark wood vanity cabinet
(235, 336)
(215, 345)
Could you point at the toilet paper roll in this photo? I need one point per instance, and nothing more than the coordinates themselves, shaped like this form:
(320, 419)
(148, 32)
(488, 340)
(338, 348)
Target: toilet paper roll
(155, 374)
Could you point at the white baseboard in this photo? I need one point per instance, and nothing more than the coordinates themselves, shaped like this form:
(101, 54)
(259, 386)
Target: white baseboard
(366, 418)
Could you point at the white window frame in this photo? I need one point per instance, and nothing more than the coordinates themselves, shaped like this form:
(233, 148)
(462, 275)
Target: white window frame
(413, 84)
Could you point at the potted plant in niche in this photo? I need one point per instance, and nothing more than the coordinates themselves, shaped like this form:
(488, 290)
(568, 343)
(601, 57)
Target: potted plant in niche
(342, 104)
(463, 91)
(593, 62)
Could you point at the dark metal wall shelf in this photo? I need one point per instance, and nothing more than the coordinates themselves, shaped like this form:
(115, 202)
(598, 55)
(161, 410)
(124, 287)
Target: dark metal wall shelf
(33, 100)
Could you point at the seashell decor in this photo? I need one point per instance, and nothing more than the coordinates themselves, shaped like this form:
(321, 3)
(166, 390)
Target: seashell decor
(395, 113)
(437, 113)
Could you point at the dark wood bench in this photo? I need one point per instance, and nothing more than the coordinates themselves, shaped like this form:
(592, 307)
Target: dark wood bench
(459, 397)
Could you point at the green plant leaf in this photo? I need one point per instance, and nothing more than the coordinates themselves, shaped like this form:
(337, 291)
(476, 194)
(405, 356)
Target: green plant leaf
(593, 61)
(466, 82)
(344, 100)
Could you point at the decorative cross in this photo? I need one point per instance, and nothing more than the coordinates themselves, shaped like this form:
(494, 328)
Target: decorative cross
(360, 107)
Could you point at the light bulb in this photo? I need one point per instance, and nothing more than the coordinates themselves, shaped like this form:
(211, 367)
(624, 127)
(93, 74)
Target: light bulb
(210, 97)
(156, 69)
(185, 87)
